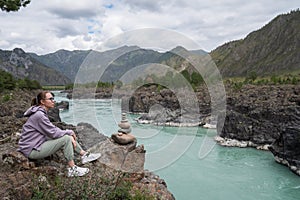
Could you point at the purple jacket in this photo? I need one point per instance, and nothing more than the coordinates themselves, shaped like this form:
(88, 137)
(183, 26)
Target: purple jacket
(37, 130)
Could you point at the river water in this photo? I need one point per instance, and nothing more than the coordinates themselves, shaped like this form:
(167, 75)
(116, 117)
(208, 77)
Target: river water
(175, 155)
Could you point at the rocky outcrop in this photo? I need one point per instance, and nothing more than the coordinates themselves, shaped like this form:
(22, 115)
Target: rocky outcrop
(90, 93)
(258, 114)
(63, 105)
(286, 148)
(117, 163)
(265, 117)
(115, 159)
(12, 110)
(127, 158)
(163, 107)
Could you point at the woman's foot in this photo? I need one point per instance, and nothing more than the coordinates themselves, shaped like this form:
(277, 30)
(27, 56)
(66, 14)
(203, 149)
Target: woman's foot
(89, 157)
(77, 171)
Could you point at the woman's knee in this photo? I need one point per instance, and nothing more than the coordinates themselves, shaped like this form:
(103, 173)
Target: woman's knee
(67, 138)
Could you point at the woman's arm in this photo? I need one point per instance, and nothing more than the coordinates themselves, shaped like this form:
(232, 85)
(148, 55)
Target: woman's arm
(44, 126)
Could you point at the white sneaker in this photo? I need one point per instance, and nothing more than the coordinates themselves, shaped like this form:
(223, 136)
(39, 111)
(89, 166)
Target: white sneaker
(77, 171)
(89, 157)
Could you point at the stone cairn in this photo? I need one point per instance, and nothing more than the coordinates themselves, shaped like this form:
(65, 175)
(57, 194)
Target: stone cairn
(124, 125)
(124, 135)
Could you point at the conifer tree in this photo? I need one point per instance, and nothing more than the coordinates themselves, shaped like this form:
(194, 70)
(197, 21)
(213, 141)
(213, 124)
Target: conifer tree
(13, 5)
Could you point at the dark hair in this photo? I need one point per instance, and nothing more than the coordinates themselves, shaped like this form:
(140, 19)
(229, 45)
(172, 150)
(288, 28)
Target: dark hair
(36, 101)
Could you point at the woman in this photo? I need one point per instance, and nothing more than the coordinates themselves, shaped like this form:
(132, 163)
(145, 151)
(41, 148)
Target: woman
(40, 138)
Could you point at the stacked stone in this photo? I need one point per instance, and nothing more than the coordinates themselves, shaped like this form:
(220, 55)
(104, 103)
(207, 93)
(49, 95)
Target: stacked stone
(124, 125)
(124, 135)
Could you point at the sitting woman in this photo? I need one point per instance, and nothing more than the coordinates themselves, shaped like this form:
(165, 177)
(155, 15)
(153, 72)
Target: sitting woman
(40, 138)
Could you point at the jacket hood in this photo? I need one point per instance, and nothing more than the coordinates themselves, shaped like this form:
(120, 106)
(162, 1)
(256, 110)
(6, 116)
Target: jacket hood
(32, 110)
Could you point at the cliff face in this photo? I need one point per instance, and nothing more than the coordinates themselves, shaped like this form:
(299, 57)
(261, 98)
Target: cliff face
(265, 117)
(273, 49)
(286, 148)
(163, 107)
(261, 113)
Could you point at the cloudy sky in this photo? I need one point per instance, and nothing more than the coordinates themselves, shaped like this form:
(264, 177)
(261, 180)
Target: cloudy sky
(46, 26)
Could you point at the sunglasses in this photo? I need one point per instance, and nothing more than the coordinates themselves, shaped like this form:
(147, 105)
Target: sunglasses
(51, 99)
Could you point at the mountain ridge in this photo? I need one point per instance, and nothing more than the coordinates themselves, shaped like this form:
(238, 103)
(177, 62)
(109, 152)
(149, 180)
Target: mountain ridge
(273, 49)
(64, 61)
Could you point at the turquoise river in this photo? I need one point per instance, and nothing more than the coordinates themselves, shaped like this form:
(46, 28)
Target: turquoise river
(173, 154)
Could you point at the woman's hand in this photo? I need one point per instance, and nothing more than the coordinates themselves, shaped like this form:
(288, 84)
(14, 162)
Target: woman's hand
(73, 138)
(73, 141)
(74, 135)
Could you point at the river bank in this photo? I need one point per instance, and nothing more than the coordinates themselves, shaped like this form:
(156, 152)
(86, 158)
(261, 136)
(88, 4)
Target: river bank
(260, 116)
(224, 173)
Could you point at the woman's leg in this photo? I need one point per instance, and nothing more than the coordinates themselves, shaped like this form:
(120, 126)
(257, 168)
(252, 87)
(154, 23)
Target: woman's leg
(51, 146)
(78, 149)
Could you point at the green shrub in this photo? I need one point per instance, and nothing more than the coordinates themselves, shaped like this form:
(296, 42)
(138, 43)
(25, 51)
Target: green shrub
(69, 86)
(142, 195)
(8, 82)
(6, 97)
(238, 85)
(95, 185)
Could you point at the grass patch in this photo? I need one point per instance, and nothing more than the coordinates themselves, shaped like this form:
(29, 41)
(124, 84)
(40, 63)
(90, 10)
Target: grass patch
(95, 185)
(237, 82)
(6, 97)
(53, 87)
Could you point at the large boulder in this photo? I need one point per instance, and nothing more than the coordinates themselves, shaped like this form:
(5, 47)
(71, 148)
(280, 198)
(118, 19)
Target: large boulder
(88, 136)
(63, 105)
(121, 157)
(124, 157)
(53, 115)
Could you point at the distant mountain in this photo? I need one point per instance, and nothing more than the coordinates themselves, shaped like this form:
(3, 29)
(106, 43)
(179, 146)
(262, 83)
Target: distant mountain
(22, 65)
(138, 56)
(66, 62)
(104, 66)
(128, 61)
(176, 58)
(119, 61)
(273, 49)
(181, 50)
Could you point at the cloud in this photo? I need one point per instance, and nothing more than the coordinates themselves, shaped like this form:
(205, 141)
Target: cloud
(64, 28)
(152, 6)
(68, 9)
(46, 26)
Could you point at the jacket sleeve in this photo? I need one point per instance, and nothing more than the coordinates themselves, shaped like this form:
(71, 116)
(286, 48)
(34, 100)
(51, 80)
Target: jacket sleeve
(45, 127)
